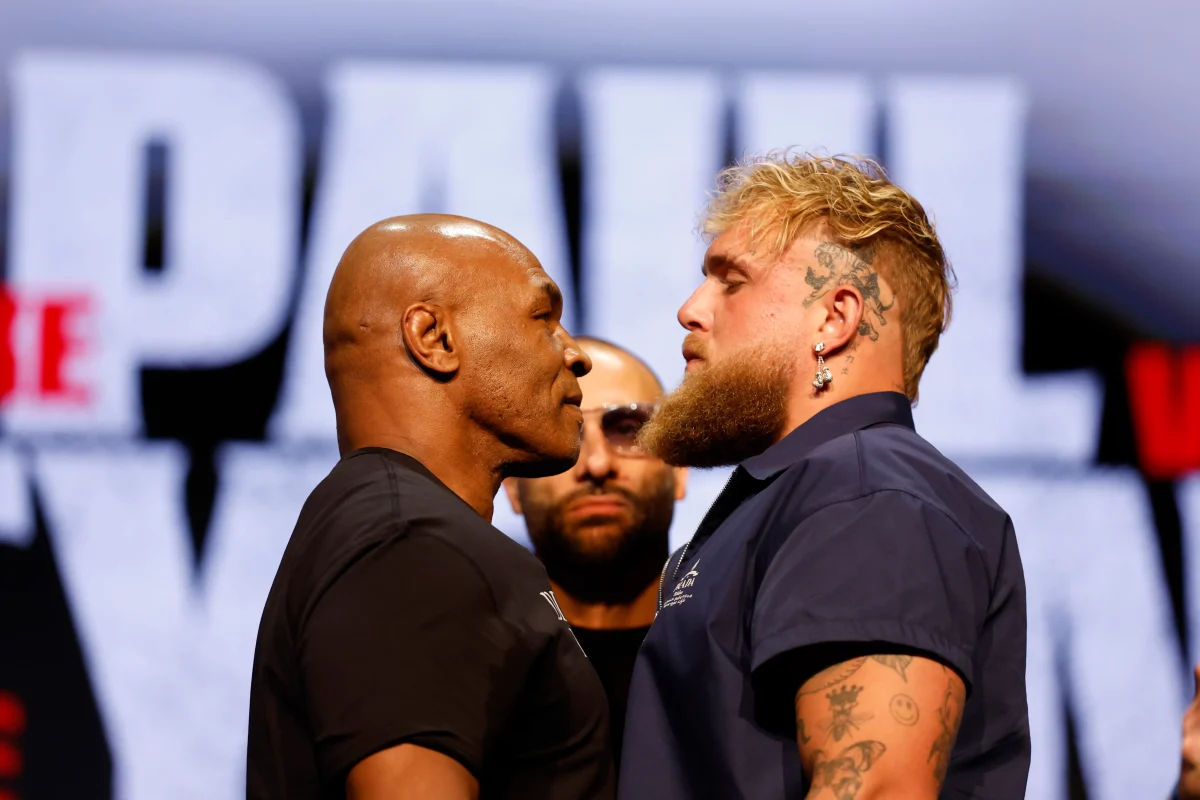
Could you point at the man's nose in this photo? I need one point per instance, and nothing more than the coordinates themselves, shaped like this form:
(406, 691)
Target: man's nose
(579, 362)
(695, 314)
(596, 460)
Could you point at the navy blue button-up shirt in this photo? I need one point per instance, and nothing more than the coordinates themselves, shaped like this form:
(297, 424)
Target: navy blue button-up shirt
(851, 529)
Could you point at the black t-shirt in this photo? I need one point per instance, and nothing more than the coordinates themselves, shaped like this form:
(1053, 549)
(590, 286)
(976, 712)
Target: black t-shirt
(612, 653)
(398, 615)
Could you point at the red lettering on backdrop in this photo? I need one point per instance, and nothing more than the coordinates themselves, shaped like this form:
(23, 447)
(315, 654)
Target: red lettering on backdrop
(1164, 397)
(58, 345)
(12, 725)
(11, 763)
(12, 715)
(8, 359)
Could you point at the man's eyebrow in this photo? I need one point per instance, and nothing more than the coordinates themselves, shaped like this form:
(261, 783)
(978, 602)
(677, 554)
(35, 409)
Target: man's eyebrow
(552, 291)
(739, 263)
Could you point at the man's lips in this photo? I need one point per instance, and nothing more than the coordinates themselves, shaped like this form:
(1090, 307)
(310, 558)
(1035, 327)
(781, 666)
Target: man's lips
(597, 504)
(572, 403)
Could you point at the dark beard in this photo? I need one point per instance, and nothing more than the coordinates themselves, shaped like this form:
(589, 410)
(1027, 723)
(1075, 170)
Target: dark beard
(724, 413)
(619, 574)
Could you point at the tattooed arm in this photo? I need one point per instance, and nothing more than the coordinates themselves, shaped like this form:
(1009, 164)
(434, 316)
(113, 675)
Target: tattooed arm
(878, 726)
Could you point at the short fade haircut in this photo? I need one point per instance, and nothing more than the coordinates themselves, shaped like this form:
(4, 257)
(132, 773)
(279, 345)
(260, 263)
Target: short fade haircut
(782, 194)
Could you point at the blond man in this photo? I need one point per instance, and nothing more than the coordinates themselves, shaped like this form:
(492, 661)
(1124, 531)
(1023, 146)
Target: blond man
(849, 619)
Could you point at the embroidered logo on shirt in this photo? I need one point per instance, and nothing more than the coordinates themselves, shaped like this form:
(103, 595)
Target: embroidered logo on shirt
(680, 595)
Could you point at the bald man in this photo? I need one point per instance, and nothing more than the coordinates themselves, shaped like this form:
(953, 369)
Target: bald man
(601, 527)
(408, 650)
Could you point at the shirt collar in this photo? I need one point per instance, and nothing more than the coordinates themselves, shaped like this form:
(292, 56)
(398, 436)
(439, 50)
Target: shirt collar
(847, 416)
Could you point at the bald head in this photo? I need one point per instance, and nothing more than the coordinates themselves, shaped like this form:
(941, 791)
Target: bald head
(616, 370)
(438, 326)
(432, 258)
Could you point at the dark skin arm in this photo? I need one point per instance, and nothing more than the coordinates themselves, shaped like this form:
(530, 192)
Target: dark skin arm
(410, 772)
(880, 726)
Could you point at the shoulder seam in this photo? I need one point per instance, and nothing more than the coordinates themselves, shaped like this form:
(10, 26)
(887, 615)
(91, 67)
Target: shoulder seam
(394, 492)
(349, 564)
(858, 456)
(463, 555)
(917, 497)
(398, 530)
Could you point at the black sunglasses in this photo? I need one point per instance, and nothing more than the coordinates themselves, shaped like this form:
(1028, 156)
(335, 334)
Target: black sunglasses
(620, 424)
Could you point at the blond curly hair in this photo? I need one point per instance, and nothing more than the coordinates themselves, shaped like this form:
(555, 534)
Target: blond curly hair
(783, 193)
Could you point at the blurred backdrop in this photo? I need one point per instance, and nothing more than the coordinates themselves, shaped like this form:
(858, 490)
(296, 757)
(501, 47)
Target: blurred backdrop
(178, 180)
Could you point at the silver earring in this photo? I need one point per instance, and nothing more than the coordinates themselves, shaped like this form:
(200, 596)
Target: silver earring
(823, 375)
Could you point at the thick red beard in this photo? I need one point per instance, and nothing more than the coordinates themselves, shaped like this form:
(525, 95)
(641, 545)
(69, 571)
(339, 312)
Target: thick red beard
(723, 413)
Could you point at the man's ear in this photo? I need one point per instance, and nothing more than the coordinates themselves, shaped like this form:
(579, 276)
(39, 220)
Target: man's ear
(681, 476)
(844, 310)
(429, 339)
(514, 496)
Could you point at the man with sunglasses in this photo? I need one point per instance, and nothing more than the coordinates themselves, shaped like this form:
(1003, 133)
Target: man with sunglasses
(600, 528)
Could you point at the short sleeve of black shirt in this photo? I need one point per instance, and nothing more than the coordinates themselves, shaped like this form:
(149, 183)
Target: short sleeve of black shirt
(399, 615)
(884, 568)
(407, 647)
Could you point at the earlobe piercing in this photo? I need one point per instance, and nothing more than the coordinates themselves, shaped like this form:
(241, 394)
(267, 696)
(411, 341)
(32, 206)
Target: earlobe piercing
(823, 376)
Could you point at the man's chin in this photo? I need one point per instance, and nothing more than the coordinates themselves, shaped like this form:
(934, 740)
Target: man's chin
(542, 466)
(597, 538)
(547, 458)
